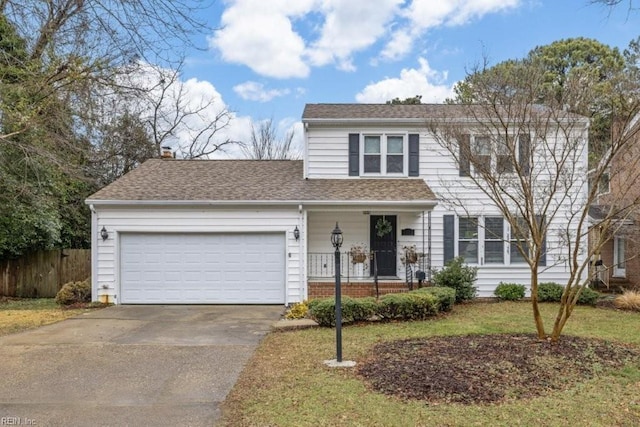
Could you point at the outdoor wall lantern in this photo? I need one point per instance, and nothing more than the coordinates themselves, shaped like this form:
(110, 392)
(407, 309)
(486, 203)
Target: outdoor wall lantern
(104, 234)
(296, 233)
(336, 241)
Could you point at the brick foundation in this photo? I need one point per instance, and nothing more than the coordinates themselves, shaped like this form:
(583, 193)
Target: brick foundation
(355, 289)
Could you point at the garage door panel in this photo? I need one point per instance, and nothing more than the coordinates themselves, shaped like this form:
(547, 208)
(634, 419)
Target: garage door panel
(202, 268)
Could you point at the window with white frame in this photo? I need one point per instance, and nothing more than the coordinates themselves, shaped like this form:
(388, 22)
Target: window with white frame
(384, 154)
(518, 241)
(619, 263)
(494, 240)
(495, 154)
(481, 153)
(468, 239)
(488, 240)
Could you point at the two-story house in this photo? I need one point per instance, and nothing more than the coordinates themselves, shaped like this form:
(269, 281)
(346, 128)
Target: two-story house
(243, 231)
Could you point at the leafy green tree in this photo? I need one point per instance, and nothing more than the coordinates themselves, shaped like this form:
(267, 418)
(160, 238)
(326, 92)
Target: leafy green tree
(411, 100)
(579, 75)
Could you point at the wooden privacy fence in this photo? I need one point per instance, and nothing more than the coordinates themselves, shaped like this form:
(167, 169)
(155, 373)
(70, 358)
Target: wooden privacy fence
(42, 274)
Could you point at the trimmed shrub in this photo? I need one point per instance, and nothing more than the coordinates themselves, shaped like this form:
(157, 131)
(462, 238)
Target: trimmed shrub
(323, 311)
(550, 292)
(298, 310)
(408, 306)
(74, 293)
(359, 309)
(457, 276)
(446, 296)
(629, 300)
(510, 291)
(588, 297)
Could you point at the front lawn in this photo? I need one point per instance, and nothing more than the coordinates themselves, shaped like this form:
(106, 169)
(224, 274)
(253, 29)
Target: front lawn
(287, 384)
(17, 315)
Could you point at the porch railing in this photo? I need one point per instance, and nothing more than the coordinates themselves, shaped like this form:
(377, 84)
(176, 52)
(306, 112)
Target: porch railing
(322, 265)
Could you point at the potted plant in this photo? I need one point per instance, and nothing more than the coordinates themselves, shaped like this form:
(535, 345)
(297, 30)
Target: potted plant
(358, 254)
(410, 256)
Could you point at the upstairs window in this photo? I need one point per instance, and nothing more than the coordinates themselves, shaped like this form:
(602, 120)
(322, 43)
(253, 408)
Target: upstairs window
(493, 155)
(384, 154)
(372, 154)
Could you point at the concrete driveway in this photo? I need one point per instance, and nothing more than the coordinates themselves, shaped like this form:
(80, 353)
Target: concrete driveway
(130, 365)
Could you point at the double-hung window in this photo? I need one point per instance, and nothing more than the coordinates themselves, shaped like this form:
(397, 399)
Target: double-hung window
(494, 240)
(384, 154)
(488, 240)
(468, 239)
(481, 153)
(494, 155)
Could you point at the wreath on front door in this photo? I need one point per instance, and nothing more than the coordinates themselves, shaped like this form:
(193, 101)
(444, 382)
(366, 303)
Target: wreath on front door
(383, 227)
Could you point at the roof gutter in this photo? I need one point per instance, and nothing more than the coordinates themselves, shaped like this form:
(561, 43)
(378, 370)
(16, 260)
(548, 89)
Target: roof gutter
(403, 203)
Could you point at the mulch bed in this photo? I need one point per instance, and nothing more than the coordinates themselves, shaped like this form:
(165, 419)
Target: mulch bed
(480, 369)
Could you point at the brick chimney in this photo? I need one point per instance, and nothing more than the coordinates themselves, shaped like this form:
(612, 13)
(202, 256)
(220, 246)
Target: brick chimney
(166, 153)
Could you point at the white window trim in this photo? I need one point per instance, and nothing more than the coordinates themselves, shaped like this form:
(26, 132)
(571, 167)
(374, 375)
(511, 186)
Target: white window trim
(617, 270)
(493, 152)
(506, 242)
(383, 154)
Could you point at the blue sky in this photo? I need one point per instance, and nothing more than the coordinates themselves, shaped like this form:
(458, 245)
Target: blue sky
(269, 58)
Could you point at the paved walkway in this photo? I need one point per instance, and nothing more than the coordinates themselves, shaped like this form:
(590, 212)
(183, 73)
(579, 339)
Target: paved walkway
(130, 365)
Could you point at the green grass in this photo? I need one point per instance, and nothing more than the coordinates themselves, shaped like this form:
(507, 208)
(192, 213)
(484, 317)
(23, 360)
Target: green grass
(17, 315)
(287, 384)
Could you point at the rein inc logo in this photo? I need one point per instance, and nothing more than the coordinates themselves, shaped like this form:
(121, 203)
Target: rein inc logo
(17, 421)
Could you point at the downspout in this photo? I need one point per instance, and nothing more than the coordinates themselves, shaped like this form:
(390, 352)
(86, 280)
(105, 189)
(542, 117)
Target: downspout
(302, 225)
(94, 253)
(429, 245)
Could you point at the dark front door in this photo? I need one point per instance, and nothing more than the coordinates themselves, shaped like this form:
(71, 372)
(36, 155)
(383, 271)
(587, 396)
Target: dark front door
(383, 245)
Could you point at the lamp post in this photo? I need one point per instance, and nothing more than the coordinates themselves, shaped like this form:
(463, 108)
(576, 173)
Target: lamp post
(336, 241)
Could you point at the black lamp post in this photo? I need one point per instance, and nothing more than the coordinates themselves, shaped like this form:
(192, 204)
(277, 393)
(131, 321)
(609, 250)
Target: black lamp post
(336, 241)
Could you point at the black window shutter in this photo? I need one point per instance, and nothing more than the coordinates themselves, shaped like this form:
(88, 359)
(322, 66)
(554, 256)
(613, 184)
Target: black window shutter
(543, 257)
(414, 154)
(354, 154)
(524, 148)
(449, 235)
(464, 144)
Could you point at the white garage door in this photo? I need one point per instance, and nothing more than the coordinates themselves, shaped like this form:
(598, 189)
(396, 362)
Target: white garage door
(202, 268)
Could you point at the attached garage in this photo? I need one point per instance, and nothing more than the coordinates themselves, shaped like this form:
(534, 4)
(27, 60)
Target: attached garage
(202, 268)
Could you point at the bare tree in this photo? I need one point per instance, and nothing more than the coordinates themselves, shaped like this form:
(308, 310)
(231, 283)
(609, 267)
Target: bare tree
(265, 145)
(191, 122)
(530, 162)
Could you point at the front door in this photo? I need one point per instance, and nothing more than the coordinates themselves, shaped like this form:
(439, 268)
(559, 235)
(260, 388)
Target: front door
(383, 243)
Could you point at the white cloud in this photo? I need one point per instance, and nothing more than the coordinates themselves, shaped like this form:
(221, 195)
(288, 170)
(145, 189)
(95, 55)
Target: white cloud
(199, 97)
(272, 37)
(254, 91)
(422, 81)
(350, 26)
(260, 35)
(422, 15)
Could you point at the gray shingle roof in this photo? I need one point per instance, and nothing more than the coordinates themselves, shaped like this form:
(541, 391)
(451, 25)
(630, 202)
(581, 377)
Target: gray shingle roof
(410, 112)
(251, 180)
(377, 111)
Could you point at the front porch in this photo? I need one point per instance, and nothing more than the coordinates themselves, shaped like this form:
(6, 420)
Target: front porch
(381, 252)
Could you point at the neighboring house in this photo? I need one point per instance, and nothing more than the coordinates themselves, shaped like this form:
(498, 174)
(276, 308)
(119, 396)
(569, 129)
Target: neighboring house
(617, 265)
(243, 231)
